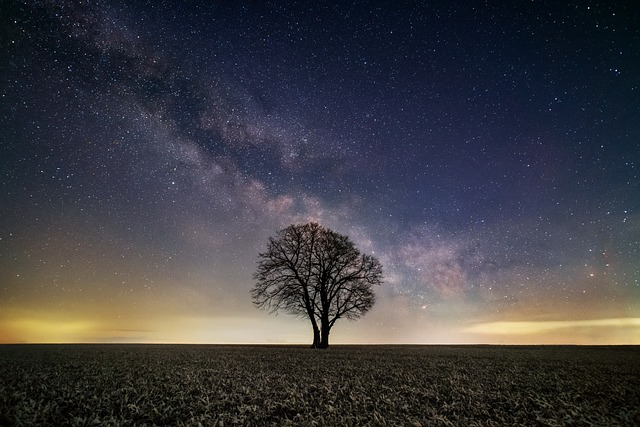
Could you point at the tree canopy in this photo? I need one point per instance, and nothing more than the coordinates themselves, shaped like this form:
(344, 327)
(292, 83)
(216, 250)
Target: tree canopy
(313, 272)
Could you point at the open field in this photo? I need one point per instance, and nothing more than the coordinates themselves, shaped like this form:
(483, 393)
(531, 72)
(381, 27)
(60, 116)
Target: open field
(345, 385)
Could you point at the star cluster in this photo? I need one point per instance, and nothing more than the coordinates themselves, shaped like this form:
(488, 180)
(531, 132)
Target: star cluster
(487, 154)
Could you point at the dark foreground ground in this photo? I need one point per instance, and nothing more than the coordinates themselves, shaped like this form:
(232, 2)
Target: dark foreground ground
(345, 385)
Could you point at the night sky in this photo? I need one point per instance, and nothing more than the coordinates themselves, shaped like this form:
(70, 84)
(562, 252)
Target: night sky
(487, 153)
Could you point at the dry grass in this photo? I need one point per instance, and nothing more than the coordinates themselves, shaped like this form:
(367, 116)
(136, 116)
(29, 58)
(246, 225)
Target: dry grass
(270, 385)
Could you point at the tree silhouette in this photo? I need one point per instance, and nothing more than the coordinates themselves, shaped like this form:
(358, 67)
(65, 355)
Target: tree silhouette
(313, 272)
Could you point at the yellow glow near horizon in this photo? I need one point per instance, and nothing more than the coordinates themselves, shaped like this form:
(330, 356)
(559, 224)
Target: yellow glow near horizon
(593, 331)
(526, 328)
(40, 327)
(33, 330)
(159, 326)
(248, 331)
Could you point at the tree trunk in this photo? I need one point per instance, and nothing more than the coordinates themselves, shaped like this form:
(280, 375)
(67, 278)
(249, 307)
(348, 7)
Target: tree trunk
(324, 335)
(316, 336)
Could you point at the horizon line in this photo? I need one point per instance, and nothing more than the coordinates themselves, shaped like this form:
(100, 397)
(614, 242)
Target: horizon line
(235, 344)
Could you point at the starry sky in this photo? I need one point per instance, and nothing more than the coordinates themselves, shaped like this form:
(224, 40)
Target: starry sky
(487, 153)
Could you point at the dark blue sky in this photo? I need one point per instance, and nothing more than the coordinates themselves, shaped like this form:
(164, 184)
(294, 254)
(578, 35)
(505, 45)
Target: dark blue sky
(487, 153)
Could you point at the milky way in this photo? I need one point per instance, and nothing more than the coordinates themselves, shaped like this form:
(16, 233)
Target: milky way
(487, 154)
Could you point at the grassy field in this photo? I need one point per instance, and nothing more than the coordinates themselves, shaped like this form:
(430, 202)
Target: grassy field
(345, 385)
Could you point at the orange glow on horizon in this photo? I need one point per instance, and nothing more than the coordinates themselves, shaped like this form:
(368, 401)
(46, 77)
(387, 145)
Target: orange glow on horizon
(30, 327)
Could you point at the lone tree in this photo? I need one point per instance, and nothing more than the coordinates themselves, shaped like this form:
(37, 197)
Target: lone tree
(313, 272)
